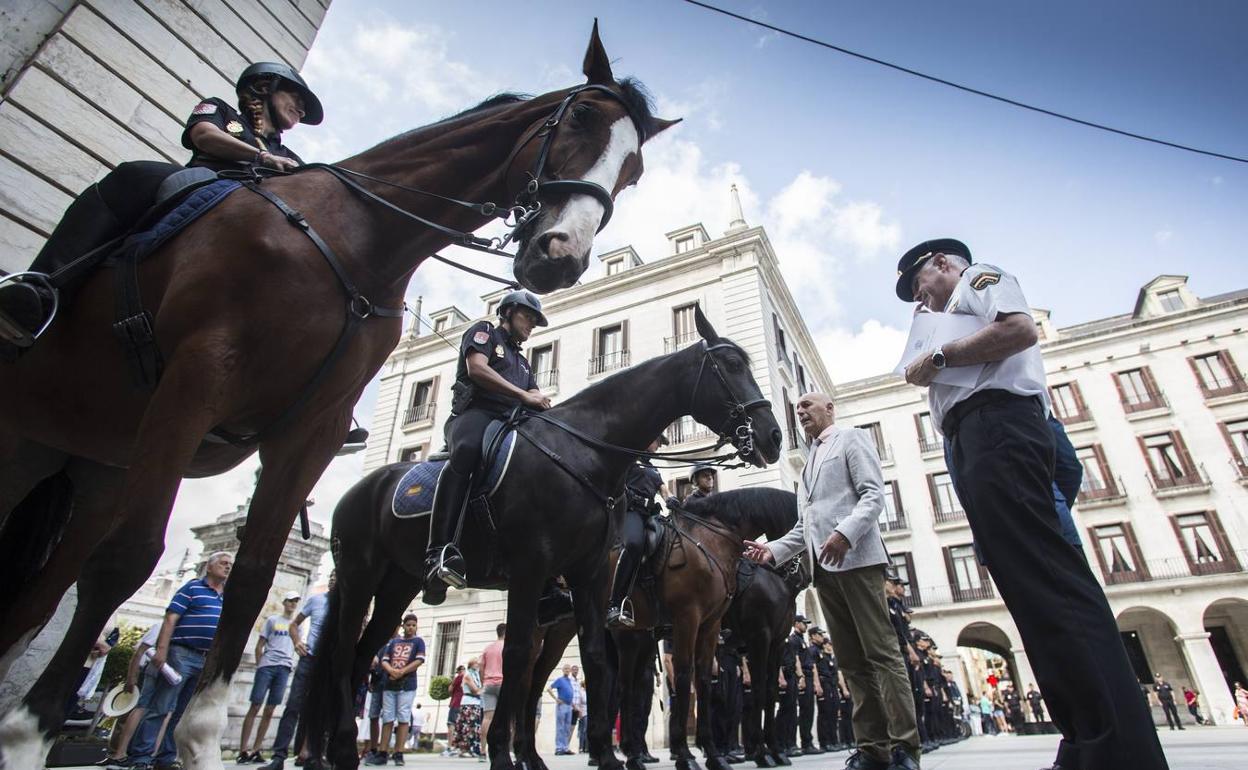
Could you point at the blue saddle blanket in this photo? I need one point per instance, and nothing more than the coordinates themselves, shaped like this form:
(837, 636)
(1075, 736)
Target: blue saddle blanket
(414, 494)
(200, 201)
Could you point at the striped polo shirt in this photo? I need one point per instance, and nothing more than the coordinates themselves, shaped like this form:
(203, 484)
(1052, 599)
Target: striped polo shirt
(200, 608)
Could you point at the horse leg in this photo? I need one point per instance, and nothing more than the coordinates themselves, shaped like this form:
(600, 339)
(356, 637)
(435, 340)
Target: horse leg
(113, 569)
(708, 637)
(684, 639)
(554, 640)
(590, 603)
(771, 733)
(517, 674)
(759, 719)
(290, 466)
(631, 647)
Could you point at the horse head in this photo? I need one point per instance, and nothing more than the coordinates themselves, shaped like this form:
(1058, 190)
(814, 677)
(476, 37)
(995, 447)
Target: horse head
(727, 398)
(570, 166)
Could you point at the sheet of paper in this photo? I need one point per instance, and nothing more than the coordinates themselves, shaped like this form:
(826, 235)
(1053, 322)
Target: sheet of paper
(929, 331)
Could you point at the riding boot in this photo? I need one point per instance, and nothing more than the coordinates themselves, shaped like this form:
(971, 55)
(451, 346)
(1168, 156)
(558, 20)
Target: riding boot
(554, 605)
(619, 609)
(26, 303)
(444, 564)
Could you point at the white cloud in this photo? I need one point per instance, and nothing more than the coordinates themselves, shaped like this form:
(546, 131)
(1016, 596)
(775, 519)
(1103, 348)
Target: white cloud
(870, 350)
(1163, 237)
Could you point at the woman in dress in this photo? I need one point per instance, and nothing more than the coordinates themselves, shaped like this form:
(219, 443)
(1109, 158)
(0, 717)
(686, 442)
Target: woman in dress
(468, 725)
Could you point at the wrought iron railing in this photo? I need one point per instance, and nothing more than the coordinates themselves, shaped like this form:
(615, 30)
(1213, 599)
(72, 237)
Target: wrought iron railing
(674, 343)
(605, 363)
(418, 413)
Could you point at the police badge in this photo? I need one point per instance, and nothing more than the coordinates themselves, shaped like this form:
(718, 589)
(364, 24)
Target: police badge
(498, 351)
(234, 127)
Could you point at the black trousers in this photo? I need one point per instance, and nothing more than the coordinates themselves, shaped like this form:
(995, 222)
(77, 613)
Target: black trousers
(1003, 450)
(644, 682)
(829, 709)
(847, 721)
(806, 710)
(1172, 714)
(916, 687)
(786, 712)
(727, 708)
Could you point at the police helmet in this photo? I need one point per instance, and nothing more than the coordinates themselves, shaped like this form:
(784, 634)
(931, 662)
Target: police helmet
(313, 113)
(525, 299)
(693, 476)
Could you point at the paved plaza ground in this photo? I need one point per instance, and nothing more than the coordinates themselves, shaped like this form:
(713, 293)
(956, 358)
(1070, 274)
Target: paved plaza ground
(1212, 748)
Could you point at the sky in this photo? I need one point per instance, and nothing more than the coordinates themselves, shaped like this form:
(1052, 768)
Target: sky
(845, 163)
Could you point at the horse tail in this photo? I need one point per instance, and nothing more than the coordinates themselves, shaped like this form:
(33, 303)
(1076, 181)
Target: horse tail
(32, 531)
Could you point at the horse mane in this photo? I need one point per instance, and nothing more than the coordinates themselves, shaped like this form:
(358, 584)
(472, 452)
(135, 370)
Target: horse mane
(771, 511)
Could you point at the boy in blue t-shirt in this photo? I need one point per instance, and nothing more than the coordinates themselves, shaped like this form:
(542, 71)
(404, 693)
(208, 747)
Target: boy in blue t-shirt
(399, 660)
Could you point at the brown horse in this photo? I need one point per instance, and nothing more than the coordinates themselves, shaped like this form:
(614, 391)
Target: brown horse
(245, 313)
(695, 580)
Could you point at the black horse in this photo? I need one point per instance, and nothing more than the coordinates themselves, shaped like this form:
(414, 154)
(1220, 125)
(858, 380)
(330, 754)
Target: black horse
(551, 515)
(761, 613)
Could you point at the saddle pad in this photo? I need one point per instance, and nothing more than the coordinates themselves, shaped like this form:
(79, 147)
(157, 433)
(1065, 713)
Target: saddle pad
(196, 204)
(414, 494)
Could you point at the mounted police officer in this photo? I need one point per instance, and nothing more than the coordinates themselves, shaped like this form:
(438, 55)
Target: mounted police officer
(703, 479)
(272, 98)
(641, 484)
(493, 378)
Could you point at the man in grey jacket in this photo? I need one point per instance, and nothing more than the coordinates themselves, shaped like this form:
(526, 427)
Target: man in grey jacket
(841, 497)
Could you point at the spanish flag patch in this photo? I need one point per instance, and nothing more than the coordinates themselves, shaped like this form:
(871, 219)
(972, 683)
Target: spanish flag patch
(984, 280)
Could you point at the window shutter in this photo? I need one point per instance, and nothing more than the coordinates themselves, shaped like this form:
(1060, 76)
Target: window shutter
(1100, 556)
(1224, 544)
(1200, 380)
(1122, 396)
(624, 358)
(1229, 363)
(1148, 458)
(1187, 554)
(433, 394)
(1154, 393)
(1189, 467)
(897, 499)
(915, 596)
(554, 356)
(1111, 483)
(595, 343)
(1230, 444)
(1140, 566)
(1083, 407)
(931, 490)
(953, 575)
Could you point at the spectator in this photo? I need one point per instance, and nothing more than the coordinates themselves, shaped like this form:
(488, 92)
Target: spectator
(1193, 704)
(275, 656)
(376, 684)
(987, 723)
(561, 690)
(579, 709)
(313, 610)
(452, 711)
(468, 724)
(400, 659)
(120, 740)
(1241, 702)
(418, 725)
(492, 681)
(185, 636)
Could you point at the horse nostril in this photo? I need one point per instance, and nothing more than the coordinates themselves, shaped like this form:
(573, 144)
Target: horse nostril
(776, 436)
(551, 240)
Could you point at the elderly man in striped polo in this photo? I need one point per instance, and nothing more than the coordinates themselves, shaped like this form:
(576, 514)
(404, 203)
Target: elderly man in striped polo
(185, 636)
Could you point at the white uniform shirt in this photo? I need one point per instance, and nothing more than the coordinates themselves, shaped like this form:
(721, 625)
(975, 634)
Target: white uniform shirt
(987, 292)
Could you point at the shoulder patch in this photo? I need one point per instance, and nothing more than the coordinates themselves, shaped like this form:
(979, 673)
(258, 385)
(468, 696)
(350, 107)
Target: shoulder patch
(984, 280)
(205, 108)
(481, 337)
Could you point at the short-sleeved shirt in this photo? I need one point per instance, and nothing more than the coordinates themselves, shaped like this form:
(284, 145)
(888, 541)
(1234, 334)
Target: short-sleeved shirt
(314, 609)
(987, 292)
(279, 648)
(504, 356)
(563, 688)
(492, 664)
(400, 652)
(219, 113)
(199, 607)
(471, 699)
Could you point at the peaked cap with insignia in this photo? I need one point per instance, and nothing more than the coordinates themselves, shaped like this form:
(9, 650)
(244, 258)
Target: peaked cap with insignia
(913, 260)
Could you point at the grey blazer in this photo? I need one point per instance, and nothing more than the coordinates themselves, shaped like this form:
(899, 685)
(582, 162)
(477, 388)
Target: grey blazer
(844, 493)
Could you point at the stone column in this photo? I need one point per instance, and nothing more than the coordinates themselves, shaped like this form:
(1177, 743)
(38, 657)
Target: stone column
(1215, 699)
(1022, 666)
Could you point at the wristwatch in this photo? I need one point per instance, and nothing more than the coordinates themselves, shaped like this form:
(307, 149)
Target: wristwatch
(938, 358)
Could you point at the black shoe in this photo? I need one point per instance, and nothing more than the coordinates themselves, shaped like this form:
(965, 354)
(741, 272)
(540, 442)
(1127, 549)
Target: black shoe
(809, 751)
(276, 763)
(397, 757)
(553, 606)
(375, 758)
(24, 308)
(619, 617)
(649, 758)
(860, 761)
(903, 761)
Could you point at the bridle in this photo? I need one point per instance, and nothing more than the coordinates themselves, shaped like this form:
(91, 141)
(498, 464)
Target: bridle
(741, 434)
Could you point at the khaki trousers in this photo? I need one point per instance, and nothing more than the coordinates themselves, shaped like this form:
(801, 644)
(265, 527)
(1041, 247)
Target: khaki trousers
(868, 655)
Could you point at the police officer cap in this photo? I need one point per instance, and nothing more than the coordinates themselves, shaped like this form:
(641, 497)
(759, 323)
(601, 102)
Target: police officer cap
(525, 299)
(699, 468)
(815, 630)
(916, 257)
(891, 576)
(800, 619)
(313, 113)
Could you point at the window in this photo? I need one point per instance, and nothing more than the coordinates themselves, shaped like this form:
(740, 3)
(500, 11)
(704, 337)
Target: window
(1168, 461)
(903, 563)
(967, 579)
(441, 322)
(610, 348)
(684, 244)
(894, 516)
(1118, 554)
(415, 454)
(684, 328)
(420, 407)
(782, 346)
(446, 648)
(1068, 404)
(491, 308)
(1098, 483)
(928, 440)
(1236, 435)
(687, 429)
(1138, 390)
(801, 378)
(544, 361)
(877, 438)
(615, 266)
(1204, 543)
(683, 487)
(944, 498)
(790, 418)
(1217, 374)
(1171, 300)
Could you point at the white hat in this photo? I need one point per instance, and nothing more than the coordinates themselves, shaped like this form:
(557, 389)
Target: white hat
(290, 595)
(118, 702)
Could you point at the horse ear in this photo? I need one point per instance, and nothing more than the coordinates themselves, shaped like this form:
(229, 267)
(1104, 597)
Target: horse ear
(597, 66)
(658, 125)
(704, 326)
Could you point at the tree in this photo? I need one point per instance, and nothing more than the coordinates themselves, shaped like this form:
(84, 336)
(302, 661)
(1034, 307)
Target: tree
(439, 690)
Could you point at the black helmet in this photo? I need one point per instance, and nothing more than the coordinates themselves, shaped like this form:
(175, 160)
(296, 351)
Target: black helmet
(693, 475)
(522, 298)
(313, 112)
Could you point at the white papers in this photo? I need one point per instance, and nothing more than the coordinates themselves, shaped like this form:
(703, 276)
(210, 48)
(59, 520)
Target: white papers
(929, 331)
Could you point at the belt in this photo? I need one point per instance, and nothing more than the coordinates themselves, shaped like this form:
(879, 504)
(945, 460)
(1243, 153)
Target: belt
(949, 426)
(195, 650)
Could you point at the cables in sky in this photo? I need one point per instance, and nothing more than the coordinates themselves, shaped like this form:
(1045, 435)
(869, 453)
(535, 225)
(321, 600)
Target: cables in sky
(960, 87)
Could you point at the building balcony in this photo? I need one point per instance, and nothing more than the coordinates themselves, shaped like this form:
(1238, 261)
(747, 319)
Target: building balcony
(1241, 469)
(894, 523)
(1224, 386)
(547, 380)
(949, 516)
(672, 344)
(886, 454)
(1111, 494)
(938, 596)
(1077, 421)
(1153, 406)
(686, 430)
(1178, 568)
(930, 445)
(600, 364)
(419, 413)
(1177, 486)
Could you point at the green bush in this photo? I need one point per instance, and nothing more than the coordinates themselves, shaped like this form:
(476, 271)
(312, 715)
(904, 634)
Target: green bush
(440, 687)
(119, 657)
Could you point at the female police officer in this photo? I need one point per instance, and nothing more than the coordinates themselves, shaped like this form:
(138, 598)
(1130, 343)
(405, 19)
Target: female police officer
(492, 378)
(272, 98)
(640, 485)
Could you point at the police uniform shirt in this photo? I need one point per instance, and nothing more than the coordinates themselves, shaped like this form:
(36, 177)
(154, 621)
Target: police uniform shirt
(504, 356)
(987, 292)
(897, 616)
(223, 116)
(642, 481)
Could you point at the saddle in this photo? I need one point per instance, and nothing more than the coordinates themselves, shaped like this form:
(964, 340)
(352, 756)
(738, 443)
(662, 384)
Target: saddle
(415, 492)
(793, 572)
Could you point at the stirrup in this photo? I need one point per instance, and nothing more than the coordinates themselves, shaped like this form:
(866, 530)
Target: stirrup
(18, 335)
(446, 574)
(622, 616)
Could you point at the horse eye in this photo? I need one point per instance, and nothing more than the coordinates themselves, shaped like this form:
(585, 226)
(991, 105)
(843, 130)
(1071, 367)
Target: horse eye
(583, 113)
